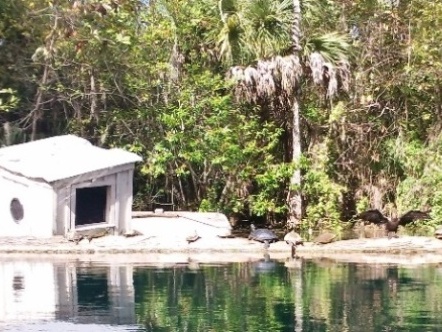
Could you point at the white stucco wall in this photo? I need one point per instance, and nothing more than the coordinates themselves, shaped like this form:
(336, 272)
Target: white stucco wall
(38, 200)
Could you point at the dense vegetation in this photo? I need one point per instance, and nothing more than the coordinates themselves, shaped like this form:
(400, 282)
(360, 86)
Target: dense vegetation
(211, 94)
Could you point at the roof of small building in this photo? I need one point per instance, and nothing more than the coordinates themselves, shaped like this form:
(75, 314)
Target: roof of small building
(61, 157)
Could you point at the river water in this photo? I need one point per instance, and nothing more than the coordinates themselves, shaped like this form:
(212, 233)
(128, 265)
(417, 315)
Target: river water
(266, 295)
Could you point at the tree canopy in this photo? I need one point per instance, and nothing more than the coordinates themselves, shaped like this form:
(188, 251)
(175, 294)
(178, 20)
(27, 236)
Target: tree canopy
(203, 91)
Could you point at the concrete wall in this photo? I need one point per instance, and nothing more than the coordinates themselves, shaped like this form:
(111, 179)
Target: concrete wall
(123, 204)
(37, 199)
(179, 225)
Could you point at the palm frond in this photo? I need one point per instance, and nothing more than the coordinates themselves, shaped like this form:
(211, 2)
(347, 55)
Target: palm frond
(290, 71)
(344, 74)
(251, 76)
(328, 60)
(330, 75)
(266, 84)
(268, 26)
(316, 63)
(228, 6)
(268, 79)
(333, 47)
(229, 38)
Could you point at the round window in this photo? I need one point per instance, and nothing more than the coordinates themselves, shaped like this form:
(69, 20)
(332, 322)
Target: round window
(17, 210)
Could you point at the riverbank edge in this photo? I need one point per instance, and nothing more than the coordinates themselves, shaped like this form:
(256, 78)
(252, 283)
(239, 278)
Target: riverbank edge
(407, 245)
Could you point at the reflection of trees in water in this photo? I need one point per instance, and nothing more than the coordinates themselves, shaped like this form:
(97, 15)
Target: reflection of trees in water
(218, 298)
(303, 296)
(349, 296)
(368, 297)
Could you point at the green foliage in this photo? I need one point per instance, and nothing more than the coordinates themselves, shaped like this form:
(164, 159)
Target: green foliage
(251, 30)
(363, 204)
(420, 228)
(324, 205)
(271, 183)
(8, 100)
(150, 77)
(418, 188)
(213, 149)
(331, 45)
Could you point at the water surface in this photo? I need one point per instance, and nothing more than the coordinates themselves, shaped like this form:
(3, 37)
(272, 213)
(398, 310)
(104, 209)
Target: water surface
(265, 295)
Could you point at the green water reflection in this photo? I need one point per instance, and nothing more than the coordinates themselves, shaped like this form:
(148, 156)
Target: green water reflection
(267, 295)
(308, 296)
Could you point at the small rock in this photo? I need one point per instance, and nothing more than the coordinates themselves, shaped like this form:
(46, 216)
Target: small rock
(438, 232)
(132, 233)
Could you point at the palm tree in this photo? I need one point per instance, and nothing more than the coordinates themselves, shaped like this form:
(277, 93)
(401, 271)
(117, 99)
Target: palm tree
(274, 79)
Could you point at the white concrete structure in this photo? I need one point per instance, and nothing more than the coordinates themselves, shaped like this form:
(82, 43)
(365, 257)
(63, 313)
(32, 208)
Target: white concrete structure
(35, 291)
(61, 184)
(176, 225)
(27, 290)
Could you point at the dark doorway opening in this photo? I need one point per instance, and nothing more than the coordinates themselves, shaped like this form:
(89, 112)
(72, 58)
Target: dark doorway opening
(91, 205)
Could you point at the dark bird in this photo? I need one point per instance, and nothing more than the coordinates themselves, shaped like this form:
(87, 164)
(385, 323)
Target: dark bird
(412, 216)
(407, 218)
(392, 227)
(372, 217)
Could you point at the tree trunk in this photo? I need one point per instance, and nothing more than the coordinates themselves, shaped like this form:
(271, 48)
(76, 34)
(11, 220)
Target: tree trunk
(296, 27)
(295, 194)
(36, 112)
(298, 299)
(7, 133)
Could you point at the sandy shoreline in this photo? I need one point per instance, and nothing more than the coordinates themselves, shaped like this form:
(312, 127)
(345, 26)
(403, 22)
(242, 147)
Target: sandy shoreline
(154, 250)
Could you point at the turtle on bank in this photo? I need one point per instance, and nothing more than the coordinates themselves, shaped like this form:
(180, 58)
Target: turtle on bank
(262, 235)
(193, 238)
(324, 238)
(293, 239)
